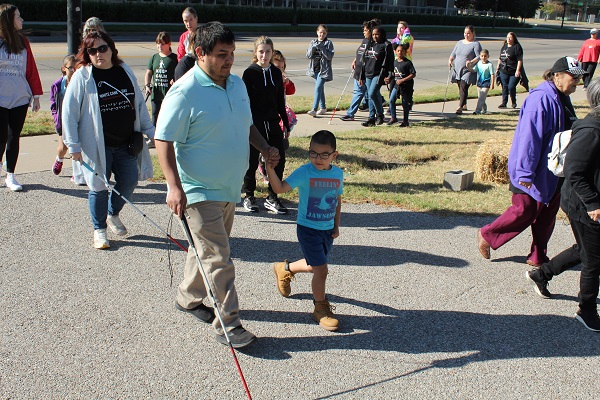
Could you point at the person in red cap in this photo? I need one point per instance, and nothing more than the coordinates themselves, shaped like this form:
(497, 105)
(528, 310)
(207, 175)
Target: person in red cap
(588, 56)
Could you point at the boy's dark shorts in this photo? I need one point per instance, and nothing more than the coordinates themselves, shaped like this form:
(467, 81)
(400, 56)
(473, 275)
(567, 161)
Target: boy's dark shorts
(315, 244)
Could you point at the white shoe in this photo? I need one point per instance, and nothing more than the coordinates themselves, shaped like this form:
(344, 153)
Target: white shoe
(312, 113)
(12, 183)
(322, 111)
(100, 240)
(115, 225)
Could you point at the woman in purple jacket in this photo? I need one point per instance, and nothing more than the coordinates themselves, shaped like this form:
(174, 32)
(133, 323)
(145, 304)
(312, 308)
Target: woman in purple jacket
(535, 190)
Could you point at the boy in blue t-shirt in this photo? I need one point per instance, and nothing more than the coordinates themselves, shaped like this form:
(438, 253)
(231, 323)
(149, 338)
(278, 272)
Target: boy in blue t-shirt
(402, 83)
(320, 188)
(485, 79)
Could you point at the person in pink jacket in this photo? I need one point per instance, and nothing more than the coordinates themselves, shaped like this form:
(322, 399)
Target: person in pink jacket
(588, 56)
(190, 20)
(19, 84)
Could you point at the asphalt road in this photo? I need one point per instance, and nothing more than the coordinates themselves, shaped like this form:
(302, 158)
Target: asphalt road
(430, 57)
(422, 315)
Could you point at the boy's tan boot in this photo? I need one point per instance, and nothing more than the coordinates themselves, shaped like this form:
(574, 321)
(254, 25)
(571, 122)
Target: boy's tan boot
(283, 277)
(323, 314)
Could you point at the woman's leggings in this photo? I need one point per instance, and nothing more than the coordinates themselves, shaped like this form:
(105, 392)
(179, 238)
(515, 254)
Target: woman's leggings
(463, 90)
(11, 125)
(272, 133)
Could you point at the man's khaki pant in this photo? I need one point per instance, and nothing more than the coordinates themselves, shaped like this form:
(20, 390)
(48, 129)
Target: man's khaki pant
(210, 224)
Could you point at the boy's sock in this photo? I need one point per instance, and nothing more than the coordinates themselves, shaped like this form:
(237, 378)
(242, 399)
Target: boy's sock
(58, 159)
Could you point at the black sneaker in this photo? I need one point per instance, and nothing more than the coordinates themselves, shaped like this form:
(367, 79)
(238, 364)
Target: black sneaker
(503, 105)
(391, 121)
(369, 122)
(514, 105)
(541, 285)
(589, 319)
(379, 120)
(363, 107)
(203, 313)
(250, 204)
(404, 125)
(238, 336)
(347, 118)
(275, 206)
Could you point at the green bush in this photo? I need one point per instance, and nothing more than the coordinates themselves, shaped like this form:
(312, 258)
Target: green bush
(56, 10)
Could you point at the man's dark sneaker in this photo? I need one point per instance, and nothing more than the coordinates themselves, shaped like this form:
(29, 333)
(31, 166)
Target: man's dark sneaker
(238, 336)
(275, 206)
(363, 107)
(347, 118)
(404, 125)
(369, 122)
(250, 204)
(379, 120)
(203, 313)
(541, 285)
(391, 122)
(503, 105)
(589, 319)
(514, 105)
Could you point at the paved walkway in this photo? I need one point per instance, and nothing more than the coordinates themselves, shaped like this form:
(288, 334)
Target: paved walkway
(423, 315)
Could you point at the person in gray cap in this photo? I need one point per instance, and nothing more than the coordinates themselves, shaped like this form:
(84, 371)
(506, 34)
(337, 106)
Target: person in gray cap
(588, 56)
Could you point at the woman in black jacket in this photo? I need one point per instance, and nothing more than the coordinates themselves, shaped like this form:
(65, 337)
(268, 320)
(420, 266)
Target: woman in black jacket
(378, 65)
(264, 83)
(580, 200)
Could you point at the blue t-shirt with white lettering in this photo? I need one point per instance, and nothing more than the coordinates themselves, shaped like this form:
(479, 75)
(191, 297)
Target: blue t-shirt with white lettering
(318, 193)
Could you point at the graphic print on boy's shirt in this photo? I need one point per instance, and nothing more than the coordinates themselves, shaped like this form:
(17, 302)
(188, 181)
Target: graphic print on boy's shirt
(322, 199)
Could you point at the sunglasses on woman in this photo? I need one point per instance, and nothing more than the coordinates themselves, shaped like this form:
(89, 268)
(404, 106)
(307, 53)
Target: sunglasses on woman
(92, 51)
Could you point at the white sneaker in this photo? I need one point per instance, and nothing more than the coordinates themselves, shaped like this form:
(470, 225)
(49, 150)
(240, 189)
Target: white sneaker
(322, 111)
(115, 225)
(312, 113)
(12, 183)
(100, 240)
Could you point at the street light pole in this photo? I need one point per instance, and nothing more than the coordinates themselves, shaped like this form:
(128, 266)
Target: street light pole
(564, 3)
(73, 25)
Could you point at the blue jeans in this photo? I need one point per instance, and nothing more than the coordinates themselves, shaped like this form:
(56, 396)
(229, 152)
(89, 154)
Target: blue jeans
(319, 92)
(509, 87)
(406, 103)
(125, 168)
(358, 93)
(375, 99)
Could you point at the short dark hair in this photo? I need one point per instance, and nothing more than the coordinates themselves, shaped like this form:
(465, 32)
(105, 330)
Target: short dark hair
(212, 33)
(324, 137)
(83, 58)
(163, 37)
(382, 33)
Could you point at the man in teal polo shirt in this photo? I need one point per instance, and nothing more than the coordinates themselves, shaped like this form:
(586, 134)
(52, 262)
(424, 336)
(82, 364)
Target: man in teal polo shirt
(202, 145)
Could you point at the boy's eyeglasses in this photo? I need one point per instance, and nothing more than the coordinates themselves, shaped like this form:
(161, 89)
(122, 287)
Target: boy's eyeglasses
(322, 156)
(92, 51)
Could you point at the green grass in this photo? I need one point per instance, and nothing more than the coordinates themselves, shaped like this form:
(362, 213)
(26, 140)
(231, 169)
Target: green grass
(405, 167)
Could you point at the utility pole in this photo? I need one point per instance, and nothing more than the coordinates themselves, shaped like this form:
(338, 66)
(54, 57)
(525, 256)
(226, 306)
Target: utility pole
(73, 25)
(495, 11)
(564, 3)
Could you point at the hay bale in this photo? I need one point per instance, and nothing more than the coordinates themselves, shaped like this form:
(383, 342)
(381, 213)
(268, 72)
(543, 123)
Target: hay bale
(492, 160)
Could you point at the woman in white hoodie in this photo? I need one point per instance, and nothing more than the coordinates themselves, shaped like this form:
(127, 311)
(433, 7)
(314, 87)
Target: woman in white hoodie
(103, 109)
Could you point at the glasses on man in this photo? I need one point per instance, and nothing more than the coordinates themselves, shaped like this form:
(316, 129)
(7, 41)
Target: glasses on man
(322, 156)
(92, 51)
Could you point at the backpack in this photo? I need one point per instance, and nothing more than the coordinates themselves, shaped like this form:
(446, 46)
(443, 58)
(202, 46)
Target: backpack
(558, 153)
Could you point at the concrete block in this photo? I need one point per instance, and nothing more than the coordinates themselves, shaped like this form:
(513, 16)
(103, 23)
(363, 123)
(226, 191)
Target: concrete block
(458, 180)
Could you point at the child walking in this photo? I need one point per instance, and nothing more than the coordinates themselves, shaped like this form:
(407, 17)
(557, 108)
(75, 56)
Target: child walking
(485, 79)
(320, 52)
(160, 73)
(320, 188)
(402, 83)
(57, 93)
